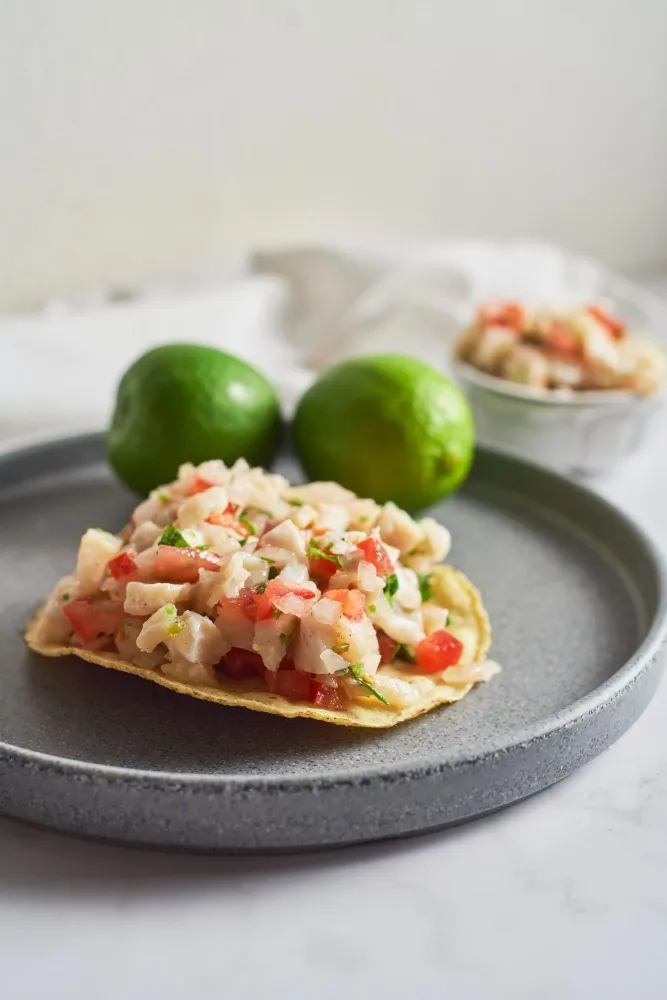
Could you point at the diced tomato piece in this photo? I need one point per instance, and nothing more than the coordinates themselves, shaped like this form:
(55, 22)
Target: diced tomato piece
(388, 647)
(321, 568)
(90, 618)
(327, 696)
(563, 340)
(174, 565)
(239, 663)
(245, 603)
(501, 314)
(293, 684)
(439, 651)
(122, 565)
(375, 553)
(275, 589)
(353, 602)
(615, 326)
(200, 485)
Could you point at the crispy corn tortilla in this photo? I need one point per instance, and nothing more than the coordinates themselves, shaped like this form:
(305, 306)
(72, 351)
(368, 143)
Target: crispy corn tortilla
(468, 622)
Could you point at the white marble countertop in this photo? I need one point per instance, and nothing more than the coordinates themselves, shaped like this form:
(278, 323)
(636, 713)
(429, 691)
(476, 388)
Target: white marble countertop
(562, 897)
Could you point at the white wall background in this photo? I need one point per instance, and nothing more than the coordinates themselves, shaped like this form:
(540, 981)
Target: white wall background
(140, 138)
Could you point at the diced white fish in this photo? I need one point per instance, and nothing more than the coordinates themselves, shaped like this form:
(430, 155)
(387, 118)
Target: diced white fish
(155, 629)
(195, 638)
(333, 516)
(126, 643)
(363, 515)
(397, 528)
(405, 627)
(319, 493)
(197, 508)
(408, 596)
(96, 548)
(276, 556)
(271, 638)
(192, 674)
(287, 536)
(146, 598)
(54, 627)
(145, 535)
(434, 618)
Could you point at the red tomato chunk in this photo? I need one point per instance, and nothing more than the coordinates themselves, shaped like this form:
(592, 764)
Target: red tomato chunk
(89, 619)
(174, 565)
(375, 553)
(122, 565)
(439, 651)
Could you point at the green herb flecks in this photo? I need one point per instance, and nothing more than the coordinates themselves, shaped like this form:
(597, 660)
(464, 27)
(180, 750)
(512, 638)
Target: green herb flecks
(372, 608)
(448, 619)
(295, 502)
(267, 560)
(175, 628)
(245, 520)
(315, 551)
(242, 541)
(273, 572)
(425, 588)
(391, 587)
(357, 671)
(202, 548)
(172, 536)
(276, 613)
(163, 498)
(341, 647)
(288, 638)
(170, 609)
(262, 587)
(65, 597)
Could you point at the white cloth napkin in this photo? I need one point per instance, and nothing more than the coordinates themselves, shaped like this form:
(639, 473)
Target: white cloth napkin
(291, 313)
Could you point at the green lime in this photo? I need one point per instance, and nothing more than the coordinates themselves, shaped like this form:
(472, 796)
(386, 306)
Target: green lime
(188, 403)
(388, 427)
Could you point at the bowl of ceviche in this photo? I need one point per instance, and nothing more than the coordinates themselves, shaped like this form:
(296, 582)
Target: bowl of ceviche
(573, 387)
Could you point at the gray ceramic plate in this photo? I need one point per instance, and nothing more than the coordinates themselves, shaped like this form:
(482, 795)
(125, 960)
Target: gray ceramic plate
(577, 598)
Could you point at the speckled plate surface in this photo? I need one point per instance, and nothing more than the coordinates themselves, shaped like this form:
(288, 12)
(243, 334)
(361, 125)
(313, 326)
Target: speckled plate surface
(577, 598)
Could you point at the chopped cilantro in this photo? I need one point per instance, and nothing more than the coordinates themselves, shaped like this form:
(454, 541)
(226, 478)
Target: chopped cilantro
(316, 552)
(448, 618)
(425, 588)
(65, 597)
(403, 653)
(244, 519)
(392, 586)
(267, 560)
(295, 502)
(127, 624)
(282, 637)
(172, 536)
(262, 587)
(202, 548)
(362, 520)
(357, 670)
(276, 613)
(176, 628)
(170, 609)
(273, 572)
(341, 647)
(372, 608)
(163, 497)
(242, 541)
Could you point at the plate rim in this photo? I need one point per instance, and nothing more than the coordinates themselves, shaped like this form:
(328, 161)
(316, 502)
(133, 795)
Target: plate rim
(576, 712)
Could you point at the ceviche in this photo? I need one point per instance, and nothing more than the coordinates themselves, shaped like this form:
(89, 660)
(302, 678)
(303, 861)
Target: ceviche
(230, 585)
(580, 348)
